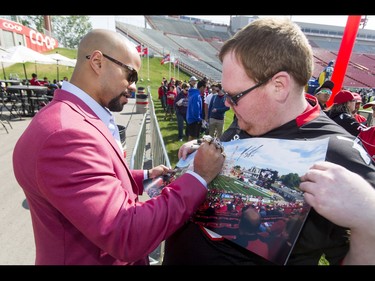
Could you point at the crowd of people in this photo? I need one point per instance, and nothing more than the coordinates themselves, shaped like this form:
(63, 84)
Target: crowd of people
(84, 199)
(199, 106)
(51, 86)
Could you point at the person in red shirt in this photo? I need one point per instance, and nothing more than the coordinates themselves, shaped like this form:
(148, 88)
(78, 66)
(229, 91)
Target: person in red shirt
(34, 80)
(171, 96)
(361, 119)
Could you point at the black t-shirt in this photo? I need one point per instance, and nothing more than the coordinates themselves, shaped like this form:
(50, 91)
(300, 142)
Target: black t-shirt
(190, 245)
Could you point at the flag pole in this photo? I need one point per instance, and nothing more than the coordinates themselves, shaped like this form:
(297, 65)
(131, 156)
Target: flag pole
(170, 66)
(148, 65)
(178, 69)
(174, 69)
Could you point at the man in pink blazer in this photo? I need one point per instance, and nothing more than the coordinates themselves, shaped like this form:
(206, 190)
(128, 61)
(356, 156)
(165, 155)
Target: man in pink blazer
(82, 196)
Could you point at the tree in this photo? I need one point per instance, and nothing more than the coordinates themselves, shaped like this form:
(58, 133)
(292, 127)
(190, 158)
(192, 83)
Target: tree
(67, 30)
(292, 180)
(35, 22)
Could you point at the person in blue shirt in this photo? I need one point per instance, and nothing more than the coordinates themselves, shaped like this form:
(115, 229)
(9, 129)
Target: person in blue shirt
(194, 111)
(216, 114)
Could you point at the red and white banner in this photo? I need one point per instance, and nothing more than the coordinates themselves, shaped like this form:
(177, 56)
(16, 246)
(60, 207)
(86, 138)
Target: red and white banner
(34, 40)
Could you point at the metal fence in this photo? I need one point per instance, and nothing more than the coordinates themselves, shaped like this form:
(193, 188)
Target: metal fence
(159, 154)
(138, 154)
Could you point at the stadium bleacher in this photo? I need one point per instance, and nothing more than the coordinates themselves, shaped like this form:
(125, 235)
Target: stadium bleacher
(197, 48)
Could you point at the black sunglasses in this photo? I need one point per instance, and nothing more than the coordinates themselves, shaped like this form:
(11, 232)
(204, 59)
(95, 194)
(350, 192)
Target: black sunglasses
(133, 75)
(233, 100)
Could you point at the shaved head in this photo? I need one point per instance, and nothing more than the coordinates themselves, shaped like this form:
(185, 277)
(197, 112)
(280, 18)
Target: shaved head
(106, 61)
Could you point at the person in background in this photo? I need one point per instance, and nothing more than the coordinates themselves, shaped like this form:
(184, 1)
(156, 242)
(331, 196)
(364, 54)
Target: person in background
(51, 87)
(34, 80)
(323, 93)
(348, 200)
(214, 90)
(216, 114)
(45, 81)
(265, 67)
(178, 86)
(341, 112)
(161, 94)
(193, 82)
(372, 105)
(358, 101)
(171, 96)
(194, 111)
(327, 72)
(83, 198)
(181, 105)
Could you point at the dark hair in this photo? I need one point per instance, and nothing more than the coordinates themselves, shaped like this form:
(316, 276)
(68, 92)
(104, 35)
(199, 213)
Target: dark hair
(201, 83)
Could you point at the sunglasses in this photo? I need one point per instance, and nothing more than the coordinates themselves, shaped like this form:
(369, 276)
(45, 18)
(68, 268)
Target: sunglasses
(233, 100)
(132, 76)
(325, 91)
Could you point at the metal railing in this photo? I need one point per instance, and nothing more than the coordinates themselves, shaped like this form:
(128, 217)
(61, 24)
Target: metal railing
(138, 154)
(159, 154)
(158, 151)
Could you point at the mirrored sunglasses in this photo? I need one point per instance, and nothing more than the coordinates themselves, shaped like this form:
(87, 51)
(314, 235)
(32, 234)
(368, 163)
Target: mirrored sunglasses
(325, 91)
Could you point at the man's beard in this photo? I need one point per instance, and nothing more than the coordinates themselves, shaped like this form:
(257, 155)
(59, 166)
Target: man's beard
(115, 105)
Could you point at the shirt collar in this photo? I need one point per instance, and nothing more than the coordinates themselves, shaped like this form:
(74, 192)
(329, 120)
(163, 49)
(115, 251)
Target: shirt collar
(102, 112)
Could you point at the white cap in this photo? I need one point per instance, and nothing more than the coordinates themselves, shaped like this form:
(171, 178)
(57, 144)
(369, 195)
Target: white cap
(193, 78)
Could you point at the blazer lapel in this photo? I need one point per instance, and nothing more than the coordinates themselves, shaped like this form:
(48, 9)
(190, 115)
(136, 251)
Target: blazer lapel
(79, 106)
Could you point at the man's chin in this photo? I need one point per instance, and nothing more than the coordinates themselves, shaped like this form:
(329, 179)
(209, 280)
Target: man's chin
(118, 108)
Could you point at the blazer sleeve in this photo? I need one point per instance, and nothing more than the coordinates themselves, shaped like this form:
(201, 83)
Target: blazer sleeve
(138, 177)
(90, 189)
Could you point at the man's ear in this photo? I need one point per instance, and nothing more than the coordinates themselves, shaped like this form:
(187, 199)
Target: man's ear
(96, 60)
(281, 84)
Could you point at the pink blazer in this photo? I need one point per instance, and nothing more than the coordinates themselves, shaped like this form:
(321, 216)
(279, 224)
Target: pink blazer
(82, 196)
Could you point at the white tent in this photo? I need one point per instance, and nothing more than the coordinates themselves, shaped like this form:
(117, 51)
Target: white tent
(5, 62)
(23, 54)
(62, 60)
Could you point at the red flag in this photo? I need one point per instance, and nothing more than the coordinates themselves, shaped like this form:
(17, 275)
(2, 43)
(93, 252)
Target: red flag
(139, 49)
(166, 59)
(145, 51)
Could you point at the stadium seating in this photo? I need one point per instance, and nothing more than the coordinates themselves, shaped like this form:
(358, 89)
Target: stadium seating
(197, 48)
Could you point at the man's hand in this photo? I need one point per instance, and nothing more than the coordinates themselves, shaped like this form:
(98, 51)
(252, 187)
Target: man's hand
(208, 161)
(159, 171)
(187, 148)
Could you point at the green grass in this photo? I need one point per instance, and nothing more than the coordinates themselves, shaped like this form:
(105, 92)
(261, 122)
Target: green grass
(151, 74)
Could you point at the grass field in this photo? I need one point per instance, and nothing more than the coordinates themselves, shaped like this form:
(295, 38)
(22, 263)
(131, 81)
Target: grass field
(232, 185)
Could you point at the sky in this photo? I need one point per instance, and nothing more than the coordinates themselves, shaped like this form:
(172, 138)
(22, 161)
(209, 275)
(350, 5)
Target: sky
(284, 156)
(107, 22)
